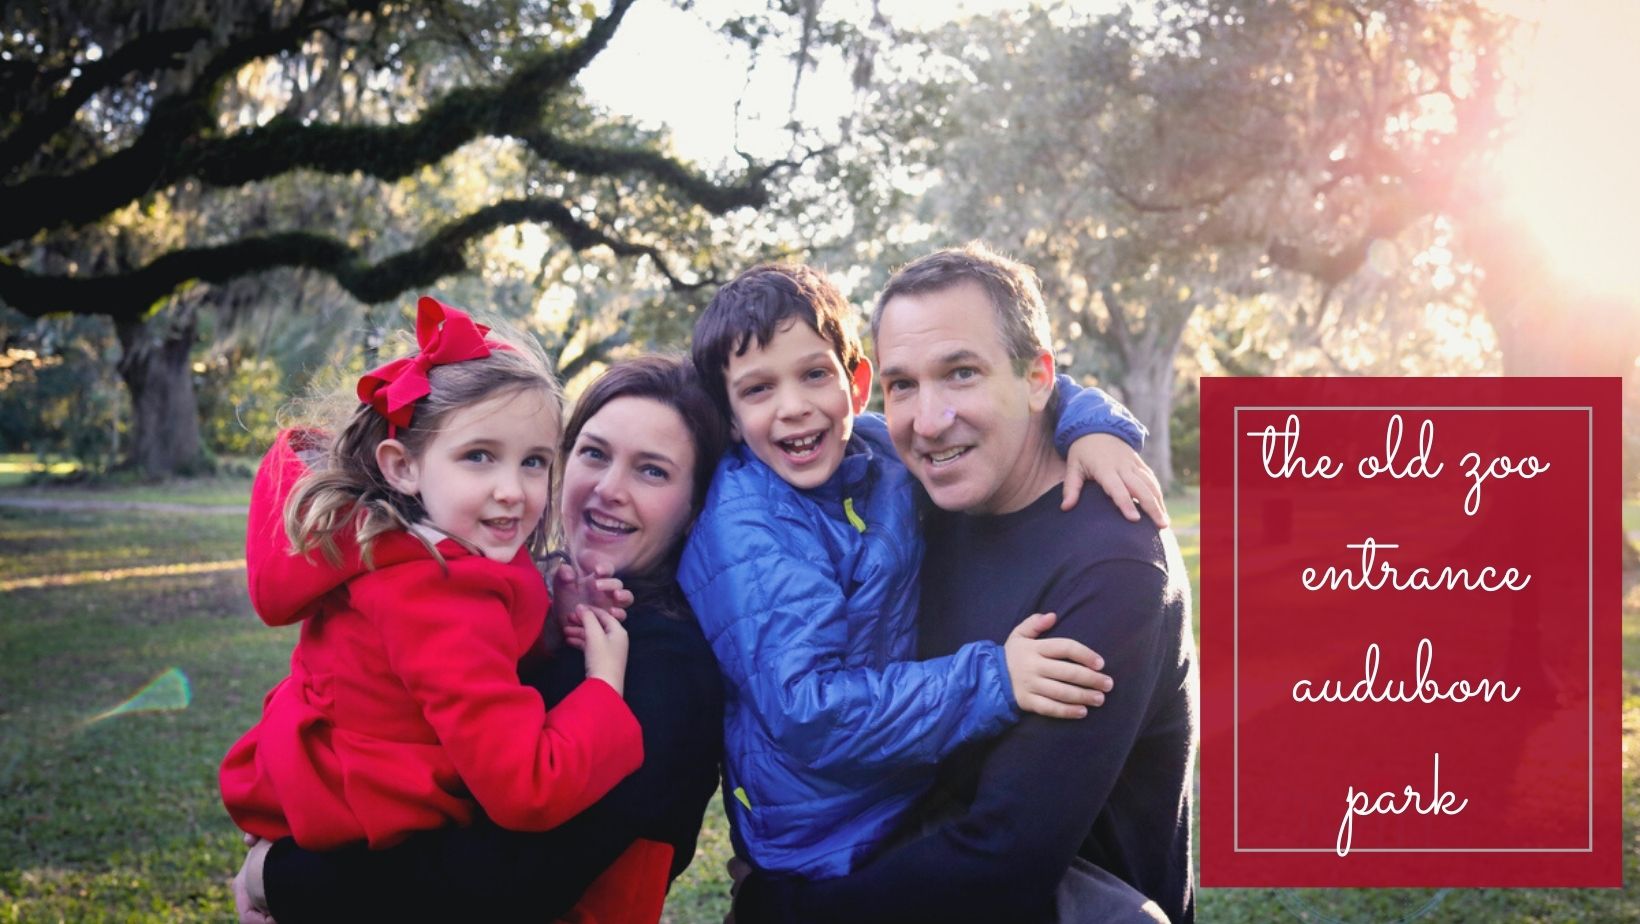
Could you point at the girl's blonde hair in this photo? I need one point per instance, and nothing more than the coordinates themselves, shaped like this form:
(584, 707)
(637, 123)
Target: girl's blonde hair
(346, 491)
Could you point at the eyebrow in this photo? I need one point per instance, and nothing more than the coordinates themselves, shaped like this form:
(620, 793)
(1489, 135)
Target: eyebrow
(816, 356)
(642, 456)
(487, 442)
(949, 359)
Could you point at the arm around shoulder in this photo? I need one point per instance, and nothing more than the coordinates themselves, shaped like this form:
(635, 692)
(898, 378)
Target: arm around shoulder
(773, 609)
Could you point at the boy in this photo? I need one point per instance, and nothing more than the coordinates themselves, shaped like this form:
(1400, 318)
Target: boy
(802, 570)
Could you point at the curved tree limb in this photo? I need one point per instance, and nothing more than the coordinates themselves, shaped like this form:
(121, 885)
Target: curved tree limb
(148, 52)
(178, 145)
(128, 296)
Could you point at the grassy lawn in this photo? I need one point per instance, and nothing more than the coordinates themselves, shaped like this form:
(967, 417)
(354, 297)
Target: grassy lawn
(118, 818)
(24, 475)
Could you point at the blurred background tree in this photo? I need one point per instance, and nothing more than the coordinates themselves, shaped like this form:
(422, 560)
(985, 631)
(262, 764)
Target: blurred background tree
(1204, 186)
(186, 166)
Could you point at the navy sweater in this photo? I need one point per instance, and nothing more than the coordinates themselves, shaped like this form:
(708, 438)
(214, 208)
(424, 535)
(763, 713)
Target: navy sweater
(1113, 788)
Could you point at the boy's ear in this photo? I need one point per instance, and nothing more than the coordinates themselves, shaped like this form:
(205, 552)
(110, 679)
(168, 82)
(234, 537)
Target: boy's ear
(398, 467)
(860, 384)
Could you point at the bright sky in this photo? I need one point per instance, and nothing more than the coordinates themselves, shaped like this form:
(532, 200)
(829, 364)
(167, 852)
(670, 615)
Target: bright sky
(1571, 169)
(669, 66)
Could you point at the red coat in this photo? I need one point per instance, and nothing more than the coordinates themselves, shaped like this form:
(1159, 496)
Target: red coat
(403, 706)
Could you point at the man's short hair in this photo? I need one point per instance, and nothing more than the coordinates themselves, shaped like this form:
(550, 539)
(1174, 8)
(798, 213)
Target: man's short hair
(756, 305)
(1011, 286)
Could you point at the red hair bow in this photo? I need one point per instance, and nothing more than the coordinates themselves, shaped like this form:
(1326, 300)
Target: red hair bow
(446, 335)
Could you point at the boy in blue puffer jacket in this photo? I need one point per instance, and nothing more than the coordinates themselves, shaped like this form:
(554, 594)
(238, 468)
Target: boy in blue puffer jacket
(803, 568)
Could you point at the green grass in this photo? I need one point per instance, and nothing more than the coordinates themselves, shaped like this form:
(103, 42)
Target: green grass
(119, 819)
(25, 475)
(20, 467)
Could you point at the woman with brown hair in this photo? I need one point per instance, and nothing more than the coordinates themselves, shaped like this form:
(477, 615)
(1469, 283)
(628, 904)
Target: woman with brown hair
(637, 455)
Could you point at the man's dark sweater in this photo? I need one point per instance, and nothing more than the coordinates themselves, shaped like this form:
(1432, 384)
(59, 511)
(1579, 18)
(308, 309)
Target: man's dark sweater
(1113, 788)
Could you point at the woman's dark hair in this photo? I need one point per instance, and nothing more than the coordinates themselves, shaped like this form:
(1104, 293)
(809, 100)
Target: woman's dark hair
(671, 380)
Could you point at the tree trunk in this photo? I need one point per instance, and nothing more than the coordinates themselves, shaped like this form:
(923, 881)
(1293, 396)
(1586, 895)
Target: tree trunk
(164, 413)
(1147, 387)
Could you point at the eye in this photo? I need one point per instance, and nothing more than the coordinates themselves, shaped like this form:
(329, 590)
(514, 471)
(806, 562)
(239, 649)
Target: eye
(817, 374)
(591, 454)
(753, 391)
(964, 373)
(655, 473)
(537, 461)
(897, 386)
(476, 455)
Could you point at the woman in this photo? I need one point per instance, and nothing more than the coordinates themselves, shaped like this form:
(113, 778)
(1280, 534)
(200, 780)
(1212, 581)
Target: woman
(638, 454)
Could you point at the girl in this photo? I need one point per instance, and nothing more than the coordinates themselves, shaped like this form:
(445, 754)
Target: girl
(403, 706)
(641, 447)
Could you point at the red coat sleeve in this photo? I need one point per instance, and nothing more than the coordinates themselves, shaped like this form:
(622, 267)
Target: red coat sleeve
(451, 639)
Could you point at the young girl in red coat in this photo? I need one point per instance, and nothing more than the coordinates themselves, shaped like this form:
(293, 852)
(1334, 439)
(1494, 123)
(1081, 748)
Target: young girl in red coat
(403, 706)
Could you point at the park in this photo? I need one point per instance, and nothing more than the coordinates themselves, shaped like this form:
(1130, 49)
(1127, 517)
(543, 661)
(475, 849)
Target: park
(214, 217)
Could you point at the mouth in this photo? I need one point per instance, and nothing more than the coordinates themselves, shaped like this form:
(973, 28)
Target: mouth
(606, 525)
(502, 527)
(800, 449)
(945, 457)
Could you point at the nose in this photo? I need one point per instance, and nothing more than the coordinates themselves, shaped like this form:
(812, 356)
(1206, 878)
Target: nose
(932, 419)
(611, 486)
(792, 404)
(509, 488)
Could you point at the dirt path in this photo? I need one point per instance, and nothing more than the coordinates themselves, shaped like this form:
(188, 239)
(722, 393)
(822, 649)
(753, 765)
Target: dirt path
(79, 504)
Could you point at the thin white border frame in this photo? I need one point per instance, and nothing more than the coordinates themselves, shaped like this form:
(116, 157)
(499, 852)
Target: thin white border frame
(1235, 615)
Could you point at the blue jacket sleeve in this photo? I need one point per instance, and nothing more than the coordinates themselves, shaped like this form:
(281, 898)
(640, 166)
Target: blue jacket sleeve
(1085, 411)
(771, 604)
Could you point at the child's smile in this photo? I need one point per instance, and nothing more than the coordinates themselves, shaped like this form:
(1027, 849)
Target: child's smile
(486, 476)
(794, 404)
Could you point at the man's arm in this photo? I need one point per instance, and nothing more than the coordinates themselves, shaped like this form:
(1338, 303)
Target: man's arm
(1039, 790)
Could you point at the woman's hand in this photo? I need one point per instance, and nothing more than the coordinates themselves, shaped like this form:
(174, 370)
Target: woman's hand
(250, 898)
(1112, 464)
(1055, 677)
(572, 590)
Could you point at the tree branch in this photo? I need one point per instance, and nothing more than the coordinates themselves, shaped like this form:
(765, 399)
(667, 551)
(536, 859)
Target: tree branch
(151, 51)
(126, 296)
(177, 143)
(594, 160)
(594, 352)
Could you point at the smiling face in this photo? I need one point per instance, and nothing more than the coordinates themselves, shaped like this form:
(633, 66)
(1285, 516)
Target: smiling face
(485, 476)
(793, 403)
(628, 486)
(966, 423)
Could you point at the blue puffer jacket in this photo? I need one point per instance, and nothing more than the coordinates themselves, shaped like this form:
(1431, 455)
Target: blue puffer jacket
(809, 600)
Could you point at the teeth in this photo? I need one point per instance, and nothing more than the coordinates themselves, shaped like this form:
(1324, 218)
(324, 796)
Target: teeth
(942, 457)
(802, 445)
(603, 523)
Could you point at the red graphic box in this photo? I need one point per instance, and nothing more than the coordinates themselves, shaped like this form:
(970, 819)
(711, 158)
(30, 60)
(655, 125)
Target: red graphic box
(1411, 632)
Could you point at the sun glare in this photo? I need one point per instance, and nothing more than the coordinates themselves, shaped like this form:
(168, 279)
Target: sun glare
(1569, 169)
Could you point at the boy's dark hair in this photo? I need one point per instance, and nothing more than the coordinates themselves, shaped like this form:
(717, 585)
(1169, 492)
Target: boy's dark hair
(756, 305)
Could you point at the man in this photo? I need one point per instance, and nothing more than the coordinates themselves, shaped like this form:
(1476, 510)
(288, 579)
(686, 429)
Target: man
(1083, 820)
